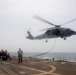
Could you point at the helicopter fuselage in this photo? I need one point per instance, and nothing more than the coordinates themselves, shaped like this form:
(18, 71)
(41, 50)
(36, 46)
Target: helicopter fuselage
(54, 33)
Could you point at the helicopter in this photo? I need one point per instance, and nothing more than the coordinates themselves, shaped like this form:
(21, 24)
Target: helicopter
(54, 32)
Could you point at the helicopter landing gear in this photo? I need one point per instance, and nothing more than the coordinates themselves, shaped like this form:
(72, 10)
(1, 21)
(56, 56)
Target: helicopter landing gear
(46, 40)
(64, 38)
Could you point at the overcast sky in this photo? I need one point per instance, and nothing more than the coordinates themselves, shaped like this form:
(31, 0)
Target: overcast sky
(16, 17)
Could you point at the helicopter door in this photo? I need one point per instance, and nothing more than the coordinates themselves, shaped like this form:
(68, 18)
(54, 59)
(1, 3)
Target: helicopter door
(56, 32)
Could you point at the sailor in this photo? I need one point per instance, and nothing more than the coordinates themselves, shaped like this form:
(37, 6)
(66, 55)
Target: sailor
(20, 53)
(2, 54)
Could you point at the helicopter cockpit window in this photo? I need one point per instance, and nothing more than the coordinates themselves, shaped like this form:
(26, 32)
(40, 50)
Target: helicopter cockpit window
(68, 29)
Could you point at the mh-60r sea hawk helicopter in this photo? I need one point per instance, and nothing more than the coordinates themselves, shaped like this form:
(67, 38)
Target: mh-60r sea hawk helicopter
(54, 32)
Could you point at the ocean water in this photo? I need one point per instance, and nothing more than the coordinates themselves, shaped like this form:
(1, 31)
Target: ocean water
(58, 56)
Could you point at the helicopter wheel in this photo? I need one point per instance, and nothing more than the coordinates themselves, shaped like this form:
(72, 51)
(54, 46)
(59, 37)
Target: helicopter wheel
(46, 40)
(64, 38)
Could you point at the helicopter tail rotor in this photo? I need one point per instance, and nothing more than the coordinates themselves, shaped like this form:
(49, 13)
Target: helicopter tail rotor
(29, 34)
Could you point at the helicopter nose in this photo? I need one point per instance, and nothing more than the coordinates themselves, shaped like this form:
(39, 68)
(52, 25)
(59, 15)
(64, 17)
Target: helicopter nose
(74, 32)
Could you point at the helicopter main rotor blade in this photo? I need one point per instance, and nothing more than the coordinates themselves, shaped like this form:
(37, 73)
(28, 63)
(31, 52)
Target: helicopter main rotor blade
(69, 21)
(39, 18)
